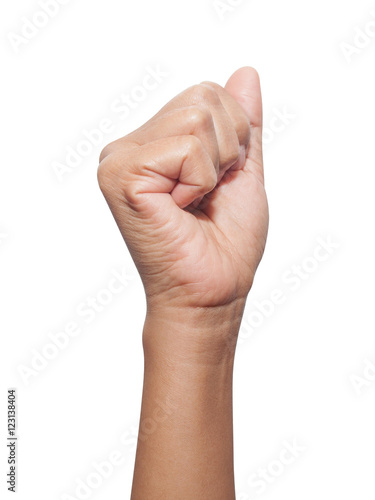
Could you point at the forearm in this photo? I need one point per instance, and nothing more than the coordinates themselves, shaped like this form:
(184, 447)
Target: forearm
(185, 446)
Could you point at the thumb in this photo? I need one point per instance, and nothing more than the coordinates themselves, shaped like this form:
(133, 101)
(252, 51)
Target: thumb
(244, 87)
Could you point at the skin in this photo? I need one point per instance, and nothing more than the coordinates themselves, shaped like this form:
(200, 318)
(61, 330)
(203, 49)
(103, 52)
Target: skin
(187, 192)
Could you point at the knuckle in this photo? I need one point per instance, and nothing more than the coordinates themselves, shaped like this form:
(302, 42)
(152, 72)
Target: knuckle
(114, 169)
(211, 179)
(198, 116)
(107, 150)
(214, 86)
(116, 161)
(206, 178)
(231, 153)
(124, 144)
(205, 172)
(202, 93)
(193, 145)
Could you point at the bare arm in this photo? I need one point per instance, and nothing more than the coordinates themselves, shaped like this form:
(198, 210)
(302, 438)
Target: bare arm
(187, 193)
(185, 447)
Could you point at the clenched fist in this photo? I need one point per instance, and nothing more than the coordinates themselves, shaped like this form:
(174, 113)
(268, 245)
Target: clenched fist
(187, 192)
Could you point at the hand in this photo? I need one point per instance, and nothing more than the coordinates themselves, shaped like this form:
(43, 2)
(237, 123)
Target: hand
(187, 192)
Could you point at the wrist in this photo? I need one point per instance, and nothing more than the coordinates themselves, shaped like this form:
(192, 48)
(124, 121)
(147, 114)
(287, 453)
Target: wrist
(192, 335)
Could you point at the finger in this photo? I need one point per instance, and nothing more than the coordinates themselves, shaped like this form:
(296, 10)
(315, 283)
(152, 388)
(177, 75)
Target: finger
(206, 97)
(239, 119)
(208, 120)
(177, 168)
(191, 120)
(227, 138)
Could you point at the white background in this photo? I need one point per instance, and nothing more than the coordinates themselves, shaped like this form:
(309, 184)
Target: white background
(301, 374)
